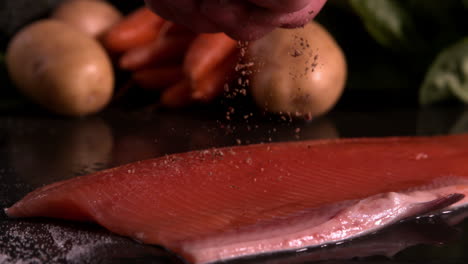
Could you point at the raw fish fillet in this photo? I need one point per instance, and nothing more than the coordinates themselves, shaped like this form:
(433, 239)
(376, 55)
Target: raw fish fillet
(219, 204)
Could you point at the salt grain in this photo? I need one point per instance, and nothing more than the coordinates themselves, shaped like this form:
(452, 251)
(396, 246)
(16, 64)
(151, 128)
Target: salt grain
(422, 156)
(48, 243)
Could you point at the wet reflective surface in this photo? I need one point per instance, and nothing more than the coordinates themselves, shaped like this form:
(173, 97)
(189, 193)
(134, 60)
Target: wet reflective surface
(38, 149)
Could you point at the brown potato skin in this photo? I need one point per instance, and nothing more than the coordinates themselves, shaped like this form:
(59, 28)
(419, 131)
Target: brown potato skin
(286, 81)
(93, 17)
(60, 68)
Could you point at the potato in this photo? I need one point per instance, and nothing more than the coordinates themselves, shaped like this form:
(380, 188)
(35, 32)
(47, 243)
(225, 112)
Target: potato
(60, 68)
(301, 71)
(93, 17)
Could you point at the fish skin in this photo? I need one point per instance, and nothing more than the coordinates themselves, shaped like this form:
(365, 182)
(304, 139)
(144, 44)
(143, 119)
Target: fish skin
(225, 203)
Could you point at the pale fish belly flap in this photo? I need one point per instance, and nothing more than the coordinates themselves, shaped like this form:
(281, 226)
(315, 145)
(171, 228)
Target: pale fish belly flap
(330, 224)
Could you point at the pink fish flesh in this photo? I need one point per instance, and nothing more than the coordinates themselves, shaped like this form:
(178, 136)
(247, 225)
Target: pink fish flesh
(226, 203)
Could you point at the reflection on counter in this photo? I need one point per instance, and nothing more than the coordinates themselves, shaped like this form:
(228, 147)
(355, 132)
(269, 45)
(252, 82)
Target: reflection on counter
(395, 244)
(158, 135)
(40, 150)
(51, 241)
(44, 151)
(432, 121)
(47, 241)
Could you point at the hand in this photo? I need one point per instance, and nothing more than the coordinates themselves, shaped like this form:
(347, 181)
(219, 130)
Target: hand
(240, 19)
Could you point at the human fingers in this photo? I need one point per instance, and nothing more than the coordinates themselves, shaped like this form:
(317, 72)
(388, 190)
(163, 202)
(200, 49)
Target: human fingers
(282, 5)
(242, 20)
(291, 19)
(183, 12)
(235, 18)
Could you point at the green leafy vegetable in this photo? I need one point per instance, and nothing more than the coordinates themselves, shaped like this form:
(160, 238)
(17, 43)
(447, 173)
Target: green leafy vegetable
(388, 22)
(448, 76)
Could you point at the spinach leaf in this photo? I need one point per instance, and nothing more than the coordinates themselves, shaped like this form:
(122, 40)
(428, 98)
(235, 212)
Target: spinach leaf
(388, 22)
(448, 76)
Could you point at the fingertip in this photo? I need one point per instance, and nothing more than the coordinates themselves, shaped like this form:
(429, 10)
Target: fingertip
(296, 19)
(191, 18)
(250, 33)
(282, 5)
(235, 19)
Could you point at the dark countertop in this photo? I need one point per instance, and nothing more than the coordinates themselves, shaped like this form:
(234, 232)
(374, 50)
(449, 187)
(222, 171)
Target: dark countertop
(38, 149)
